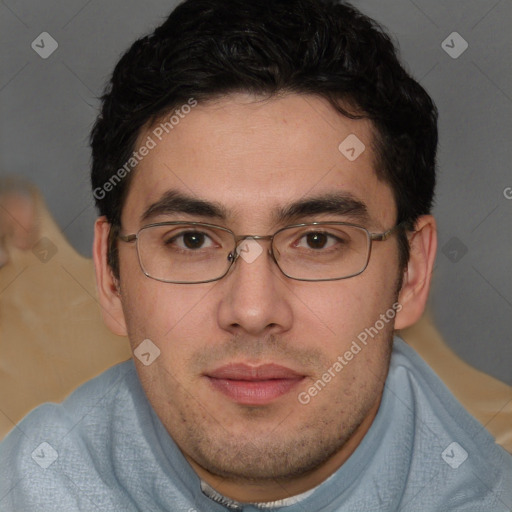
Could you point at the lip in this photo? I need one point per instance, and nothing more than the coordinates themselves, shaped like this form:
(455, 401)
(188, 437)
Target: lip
(253, 385)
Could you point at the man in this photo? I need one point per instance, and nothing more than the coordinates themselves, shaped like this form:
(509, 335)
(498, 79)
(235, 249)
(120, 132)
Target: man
(264, 173)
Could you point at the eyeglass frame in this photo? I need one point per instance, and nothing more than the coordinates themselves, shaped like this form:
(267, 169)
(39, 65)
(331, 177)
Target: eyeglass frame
(234, 254)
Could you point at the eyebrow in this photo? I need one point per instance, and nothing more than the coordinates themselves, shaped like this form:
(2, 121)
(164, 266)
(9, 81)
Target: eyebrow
(339, 203)
(177, 202)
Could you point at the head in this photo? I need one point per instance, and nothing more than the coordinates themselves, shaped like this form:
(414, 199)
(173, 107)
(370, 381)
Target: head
(235, 113)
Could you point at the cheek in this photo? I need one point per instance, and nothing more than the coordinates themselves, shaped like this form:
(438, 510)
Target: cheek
(172, 316)
(344, 309)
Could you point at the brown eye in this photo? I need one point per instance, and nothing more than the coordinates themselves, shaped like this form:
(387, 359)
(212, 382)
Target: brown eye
(189, 240)
(317, 240)
(193, 240)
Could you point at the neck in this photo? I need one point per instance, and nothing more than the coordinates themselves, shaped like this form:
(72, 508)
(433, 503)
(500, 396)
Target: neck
(273, 490)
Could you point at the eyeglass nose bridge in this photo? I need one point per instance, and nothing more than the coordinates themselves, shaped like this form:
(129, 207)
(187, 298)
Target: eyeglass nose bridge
(235, 254)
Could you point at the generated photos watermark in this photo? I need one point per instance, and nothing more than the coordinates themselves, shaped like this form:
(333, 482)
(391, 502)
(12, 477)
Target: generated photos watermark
(454, 455)
(146, 352)
(157, 134)
(355, 348)
(45, 455)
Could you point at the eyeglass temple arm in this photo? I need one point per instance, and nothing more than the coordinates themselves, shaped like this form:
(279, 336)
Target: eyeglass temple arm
(127, 238)
(381, 237)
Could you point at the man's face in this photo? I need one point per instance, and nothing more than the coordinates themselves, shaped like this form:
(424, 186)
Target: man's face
(254, 157)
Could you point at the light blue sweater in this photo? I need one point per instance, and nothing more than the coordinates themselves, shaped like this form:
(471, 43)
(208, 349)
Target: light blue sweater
(104, 449)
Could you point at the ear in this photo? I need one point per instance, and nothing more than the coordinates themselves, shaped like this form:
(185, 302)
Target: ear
(108, 286)
(416, 283)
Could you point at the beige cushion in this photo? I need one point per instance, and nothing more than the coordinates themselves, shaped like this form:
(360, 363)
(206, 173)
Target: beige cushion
(52, 337)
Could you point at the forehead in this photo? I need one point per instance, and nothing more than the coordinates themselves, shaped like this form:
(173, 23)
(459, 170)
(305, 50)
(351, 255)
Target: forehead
(254, 157)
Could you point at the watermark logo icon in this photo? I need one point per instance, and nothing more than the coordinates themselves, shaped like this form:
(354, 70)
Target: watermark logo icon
(454, 45)
(44, 250)
(44, 45)
(45, 455)
(454, 455)
(352, 147)
(146, 352)
(454, 250)
(249, 250)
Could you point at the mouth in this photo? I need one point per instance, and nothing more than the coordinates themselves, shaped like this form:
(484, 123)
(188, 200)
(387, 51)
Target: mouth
(253, 385)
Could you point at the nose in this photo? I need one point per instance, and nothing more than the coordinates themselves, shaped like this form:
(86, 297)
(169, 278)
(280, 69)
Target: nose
(255, 299)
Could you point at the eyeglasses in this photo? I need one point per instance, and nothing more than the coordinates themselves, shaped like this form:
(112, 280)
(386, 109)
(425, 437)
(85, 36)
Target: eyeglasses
(197, 252)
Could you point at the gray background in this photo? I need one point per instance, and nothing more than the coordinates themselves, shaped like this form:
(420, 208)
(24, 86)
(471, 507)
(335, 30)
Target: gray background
(47, 107)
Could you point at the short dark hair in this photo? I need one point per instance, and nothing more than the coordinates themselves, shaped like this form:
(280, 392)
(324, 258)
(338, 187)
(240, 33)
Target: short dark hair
(210, 48)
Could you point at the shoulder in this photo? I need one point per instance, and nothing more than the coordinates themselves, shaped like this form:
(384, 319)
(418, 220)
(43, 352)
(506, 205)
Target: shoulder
(63, 439)
(448, 445)
(82, 405)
